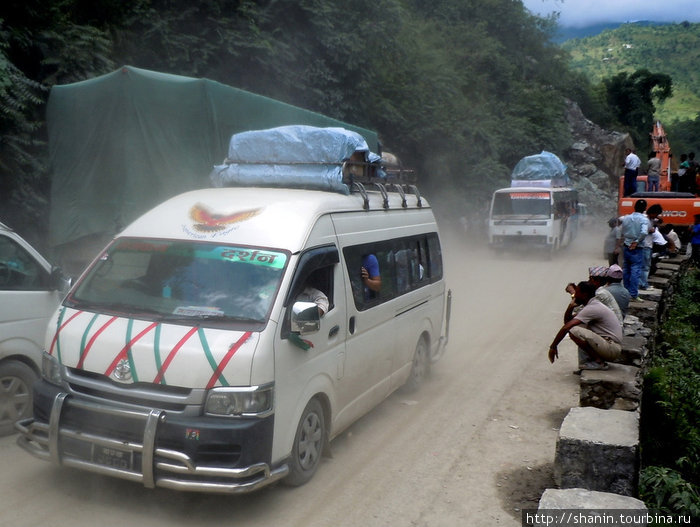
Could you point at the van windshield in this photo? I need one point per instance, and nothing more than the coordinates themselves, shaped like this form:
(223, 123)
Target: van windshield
(183, 281)
(521, 204)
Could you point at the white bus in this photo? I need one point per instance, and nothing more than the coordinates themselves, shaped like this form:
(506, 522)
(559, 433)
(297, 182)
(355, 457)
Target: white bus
(537, 217)
(183, 359)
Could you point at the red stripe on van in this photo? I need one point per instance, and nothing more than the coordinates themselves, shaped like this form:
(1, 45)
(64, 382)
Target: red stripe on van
(55, 337)
(233, 349)
(172, 354)
(92, 341)
(125, 349)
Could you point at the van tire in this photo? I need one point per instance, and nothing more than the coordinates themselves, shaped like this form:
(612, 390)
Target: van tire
(421, 365)
(309, 444)
(16, 394)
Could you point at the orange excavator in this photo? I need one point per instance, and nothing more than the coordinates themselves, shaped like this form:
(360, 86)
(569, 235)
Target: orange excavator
(679, 208)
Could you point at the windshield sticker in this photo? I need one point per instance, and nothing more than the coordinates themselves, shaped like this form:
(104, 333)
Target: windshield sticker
(265, 258)
(207, 222)
(198, 311)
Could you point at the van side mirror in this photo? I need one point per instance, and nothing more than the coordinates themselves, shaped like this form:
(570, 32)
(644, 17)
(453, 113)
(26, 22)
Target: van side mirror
(58, 281)
(305, 318)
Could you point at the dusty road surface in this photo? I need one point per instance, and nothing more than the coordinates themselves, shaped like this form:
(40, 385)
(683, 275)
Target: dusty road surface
(471, 448)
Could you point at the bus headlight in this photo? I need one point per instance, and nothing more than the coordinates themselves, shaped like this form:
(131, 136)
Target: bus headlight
(254, 401)
(51, 369)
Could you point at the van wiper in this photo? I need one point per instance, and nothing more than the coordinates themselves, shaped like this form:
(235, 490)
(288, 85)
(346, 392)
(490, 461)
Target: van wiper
(197, 318)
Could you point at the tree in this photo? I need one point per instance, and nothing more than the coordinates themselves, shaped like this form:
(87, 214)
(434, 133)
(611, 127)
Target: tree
(631, 99)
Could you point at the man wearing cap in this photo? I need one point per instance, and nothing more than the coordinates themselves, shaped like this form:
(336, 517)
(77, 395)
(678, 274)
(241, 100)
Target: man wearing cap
(595, 329)
(617, 290)
(633, 230)
(598, 276)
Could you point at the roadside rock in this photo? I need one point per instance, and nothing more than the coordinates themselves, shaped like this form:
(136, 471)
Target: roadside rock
(594, 160)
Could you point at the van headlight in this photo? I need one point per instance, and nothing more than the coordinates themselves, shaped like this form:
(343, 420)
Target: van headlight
(254, 401)
(51, 369)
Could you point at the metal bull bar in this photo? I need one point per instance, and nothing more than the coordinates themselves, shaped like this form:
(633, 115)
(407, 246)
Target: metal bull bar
(44, 442)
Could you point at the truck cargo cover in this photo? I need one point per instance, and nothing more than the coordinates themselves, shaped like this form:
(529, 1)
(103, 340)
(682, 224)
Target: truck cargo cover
(125, 141)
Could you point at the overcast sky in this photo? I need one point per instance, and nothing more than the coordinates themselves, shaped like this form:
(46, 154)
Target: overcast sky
(586, 12)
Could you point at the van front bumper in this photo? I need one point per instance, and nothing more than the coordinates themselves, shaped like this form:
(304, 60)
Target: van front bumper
(150, 446)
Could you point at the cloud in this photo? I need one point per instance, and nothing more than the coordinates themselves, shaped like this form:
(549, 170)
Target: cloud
(579, 13)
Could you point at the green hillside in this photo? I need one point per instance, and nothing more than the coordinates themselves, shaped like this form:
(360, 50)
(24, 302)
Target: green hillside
(673, 49)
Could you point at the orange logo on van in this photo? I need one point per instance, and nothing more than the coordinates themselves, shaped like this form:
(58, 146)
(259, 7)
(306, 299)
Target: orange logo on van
(206, 221)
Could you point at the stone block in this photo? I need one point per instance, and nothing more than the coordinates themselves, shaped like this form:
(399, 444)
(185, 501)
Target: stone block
(658, 281)
(617, 387)
(634, 349)
(598, 450)
(645, 311)
(606, 505)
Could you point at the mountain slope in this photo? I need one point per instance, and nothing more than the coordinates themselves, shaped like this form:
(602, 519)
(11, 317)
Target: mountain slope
(673, 49)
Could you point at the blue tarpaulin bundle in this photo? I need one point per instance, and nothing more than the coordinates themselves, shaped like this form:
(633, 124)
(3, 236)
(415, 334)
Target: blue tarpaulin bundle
(296, 156)
(544, 169)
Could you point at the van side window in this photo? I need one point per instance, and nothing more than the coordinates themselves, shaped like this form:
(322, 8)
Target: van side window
(404, 264)
(18, 270)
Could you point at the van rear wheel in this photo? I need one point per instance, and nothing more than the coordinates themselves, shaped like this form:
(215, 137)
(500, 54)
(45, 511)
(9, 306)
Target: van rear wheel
(421, 365)
(309, 443)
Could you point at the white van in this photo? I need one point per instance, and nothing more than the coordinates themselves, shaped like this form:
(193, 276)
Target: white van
(533, 217)
(182, 359)
(29, 295)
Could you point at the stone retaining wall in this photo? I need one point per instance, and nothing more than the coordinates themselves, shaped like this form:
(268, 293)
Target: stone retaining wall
(597, 453)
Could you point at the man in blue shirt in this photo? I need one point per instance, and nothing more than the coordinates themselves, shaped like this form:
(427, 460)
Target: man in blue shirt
(633, 230)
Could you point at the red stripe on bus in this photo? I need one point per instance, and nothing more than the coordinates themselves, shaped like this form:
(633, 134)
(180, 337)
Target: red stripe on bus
(55, 336)
(172, 354)
(232, 350)
(126, 348)
(92, 341)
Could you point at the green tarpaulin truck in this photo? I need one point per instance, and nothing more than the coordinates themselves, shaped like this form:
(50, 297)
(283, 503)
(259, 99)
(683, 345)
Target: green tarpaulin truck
(128, 140)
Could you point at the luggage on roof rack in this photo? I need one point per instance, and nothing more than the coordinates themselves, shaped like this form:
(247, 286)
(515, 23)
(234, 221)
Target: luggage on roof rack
(299, 156)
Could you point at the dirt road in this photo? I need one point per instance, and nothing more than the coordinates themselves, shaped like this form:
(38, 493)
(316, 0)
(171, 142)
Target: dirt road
(471, 448)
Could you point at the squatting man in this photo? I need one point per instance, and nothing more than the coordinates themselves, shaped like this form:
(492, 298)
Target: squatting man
(595, 329)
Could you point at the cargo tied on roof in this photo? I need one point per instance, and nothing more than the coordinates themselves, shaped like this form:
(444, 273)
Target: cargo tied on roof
(297, 156)
(540, 170)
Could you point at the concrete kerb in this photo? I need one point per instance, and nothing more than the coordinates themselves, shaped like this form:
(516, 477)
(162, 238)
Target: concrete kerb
(597, 455)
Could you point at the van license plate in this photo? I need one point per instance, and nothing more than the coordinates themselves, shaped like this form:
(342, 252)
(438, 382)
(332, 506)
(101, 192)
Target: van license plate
(113, 457)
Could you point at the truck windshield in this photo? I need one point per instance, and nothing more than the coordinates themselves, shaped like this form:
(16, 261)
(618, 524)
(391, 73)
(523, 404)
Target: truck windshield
(182, 281)
(521, 204)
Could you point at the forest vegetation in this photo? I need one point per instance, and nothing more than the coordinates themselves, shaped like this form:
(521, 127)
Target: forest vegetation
(459, 89)
(670, 49)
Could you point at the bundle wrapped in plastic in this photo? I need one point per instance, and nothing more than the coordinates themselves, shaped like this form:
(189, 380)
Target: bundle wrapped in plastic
(296, 156)
(540, 170)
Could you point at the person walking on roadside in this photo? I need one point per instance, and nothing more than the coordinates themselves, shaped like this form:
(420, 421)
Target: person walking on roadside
(633, 230)
(653, 172)
(595, 330)
(631, 164)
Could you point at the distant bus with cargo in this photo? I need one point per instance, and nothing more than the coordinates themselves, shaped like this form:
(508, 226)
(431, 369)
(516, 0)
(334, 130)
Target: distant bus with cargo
(533, 217)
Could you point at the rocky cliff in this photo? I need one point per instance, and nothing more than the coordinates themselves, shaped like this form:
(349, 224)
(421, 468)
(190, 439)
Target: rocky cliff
(595, 162)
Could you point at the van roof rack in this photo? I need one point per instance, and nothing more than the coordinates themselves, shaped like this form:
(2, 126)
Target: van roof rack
(397, 180)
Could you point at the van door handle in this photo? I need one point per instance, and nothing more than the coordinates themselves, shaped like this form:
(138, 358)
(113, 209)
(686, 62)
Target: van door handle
(351, 325)
(334, 331)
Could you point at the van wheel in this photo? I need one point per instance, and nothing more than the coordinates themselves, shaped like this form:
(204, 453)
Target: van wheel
(16, 397)
(420, 367)
(309, 443)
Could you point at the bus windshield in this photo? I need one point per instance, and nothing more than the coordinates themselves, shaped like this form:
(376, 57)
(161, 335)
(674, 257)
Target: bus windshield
(522, 204)
(180, 281)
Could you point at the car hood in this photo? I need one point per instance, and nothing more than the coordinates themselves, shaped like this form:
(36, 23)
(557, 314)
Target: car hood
(130, 350)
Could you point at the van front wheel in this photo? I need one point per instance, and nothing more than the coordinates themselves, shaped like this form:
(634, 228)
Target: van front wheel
(421, 365)
(309, 443)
